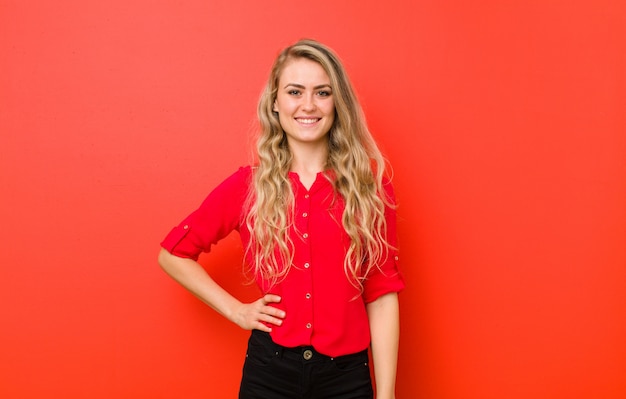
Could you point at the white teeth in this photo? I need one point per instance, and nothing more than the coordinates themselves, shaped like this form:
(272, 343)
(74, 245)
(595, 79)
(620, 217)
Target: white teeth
(308, 121)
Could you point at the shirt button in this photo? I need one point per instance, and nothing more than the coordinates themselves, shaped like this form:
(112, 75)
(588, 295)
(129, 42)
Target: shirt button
(305, 235)
(306, 195)
(186, 227)
(396, 257)
(305, 214)
(307, 354)
(308, 325)
(307, 265)
(307, 296)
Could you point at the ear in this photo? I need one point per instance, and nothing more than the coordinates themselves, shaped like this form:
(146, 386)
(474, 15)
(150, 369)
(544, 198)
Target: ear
(274, 107)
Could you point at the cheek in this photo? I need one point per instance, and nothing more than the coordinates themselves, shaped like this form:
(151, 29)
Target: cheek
(283, 120)
(283, 105)
(330, 108)
(331, 112)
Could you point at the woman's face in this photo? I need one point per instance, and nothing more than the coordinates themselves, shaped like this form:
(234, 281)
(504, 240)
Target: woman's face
(304, 102)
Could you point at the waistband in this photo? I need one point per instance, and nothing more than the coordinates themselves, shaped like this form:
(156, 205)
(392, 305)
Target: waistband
(303, 353)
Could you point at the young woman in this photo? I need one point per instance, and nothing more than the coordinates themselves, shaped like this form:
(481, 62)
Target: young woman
(316, 217)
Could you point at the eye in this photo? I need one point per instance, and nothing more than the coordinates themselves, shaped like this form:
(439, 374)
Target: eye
(294, 92)
(324, 93)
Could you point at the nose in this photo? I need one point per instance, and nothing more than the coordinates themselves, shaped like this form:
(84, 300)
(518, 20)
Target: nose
(308, 103)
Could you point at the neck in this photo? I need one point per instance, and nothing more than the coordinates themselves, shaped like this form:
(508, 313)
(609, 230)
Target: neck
(309, 160)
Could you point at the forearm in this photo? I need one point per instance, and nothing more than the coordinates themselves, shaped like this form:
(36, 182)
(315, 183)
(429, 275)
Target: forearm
(259, 314)
(384, 322)
(191, 275)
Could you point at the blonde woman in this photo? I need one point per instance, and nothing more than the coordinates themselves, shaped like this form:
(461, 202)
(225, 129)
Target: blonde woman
(316, 215)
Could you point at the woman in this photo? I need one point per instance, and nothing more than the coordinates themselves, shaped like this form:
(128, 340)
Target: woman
(316, 217)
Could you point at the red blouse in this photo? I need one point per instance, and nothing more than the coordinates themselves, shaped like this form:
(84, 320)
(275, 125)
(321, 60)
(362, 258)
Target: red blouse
(323, 308)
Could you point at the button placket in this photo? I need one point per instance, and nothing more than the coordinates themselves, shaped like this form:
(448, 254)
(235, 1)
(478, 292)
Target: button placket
(304, 209)
(303, 213)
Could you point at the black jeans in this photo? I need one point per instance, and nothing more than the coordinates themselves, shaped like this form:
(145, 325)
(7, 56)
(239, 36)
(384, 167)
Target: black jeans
(272, 371)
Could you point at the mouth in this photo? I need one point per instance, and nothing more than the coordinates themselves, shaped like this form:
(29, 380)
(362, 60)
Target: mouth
(308, 121)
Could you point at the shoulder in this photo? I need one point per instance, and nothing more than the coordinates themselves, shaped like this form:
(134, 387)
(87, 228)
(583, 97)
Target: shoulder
(234, 186)
(244, 171)
(241, 176)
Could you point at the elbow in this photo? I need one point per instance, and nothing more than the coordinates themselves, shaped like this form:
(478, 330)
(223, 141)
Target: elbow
(163, 259)
(171, 264)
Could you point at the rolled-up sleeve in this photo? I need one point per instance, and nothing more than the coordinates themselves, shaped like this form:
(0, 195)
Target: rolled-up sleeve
(219, 214)
(387, 277)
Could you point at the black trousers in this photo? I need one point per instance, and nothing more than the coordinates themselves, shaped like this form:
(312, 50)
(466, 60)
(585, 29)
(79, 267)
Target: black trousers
(272, 371)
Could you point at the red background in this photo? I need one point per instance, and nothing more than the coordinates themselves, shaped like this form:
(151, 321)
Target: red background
(504, 121)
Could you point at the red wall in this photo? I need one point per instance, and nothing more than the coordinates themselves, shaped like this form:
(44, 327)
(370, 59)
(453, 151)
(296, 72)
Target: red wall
(504, 121)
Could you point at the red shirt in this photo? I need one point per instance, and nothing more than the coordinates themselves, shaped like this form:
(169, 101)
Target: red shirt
(323, 308)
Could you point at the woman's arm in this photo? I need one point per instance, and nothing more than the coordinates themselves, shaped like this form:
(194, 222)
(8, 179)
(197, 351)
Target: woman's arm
(191, 275)
(384, 320)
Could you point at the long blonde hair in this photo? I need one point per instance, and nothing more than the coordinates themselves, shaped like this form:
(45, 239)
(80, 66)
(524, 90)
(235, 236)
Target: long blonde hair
(354, 158)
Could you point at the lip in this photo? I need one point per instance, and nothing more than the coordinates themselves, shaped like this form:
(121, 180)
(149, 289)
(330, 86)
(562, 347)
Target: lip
(307, 121)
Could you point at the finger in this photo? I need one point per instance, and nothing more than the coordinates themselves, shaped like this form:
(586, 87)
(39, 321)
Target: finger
(271, 298)
(271, 320)
(275, 312)
(262, 327)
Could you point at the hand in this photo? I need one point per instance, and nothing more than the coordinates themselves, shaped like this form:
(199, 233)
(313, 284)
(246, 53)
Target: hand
(252, 316)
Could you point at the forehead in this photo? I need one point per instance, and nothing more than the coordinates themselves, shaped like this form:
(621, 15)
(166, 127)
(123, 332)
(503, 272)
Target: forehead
(303, 71)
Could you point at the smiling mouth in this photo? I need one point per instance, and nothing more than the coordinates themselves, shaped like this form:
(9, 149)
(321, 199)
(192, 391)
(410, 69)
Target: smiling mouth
(308, 121)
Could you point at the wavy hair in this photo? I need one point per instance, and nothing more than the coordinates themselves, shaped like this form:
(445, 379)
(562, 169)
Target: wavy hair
(358, 169)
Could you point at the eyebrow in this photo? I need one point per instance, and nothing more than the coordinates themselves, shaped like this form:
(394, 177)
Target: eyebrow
(299, 86)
